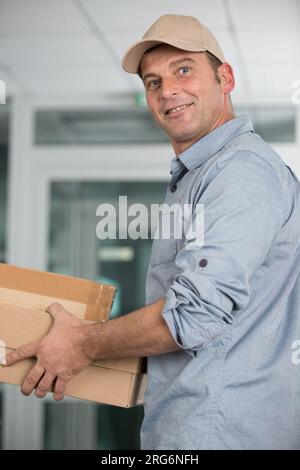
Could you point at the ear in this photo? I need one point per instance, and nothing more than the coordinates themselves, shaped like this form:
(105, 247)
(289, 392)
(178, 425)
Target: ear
(226, 77)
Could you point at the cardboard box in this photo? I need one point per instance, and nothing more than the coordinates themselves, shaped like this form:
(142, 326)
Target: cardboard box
(24, 295)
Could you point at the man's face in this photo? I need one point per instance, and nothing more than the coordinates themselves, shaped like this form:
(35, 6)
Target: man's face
(183, 94)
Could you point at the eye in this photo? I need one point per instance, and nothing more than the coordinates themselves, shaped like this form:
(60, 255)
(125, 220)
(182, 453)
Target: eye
(153, 84)
(184, 70)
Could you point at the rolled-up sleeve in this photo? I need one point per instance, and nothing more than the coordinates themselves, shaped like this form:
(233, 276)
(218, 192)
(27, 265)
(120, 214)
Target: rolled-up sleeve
(243, 211)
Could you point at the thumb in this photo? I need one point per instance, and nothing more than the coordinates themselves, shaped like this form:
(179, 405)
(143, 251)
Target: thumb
(28, 350)
(57, 311)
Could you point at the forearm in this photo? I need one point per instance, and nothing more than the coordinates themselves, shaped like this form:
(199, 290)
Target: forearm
(140, 333)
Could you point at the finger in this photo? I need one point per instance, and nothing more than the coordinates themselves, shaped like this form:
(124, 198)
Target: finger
(59, 389)
(32, 379)
(56, 310)
(44, 385)
(28, 350)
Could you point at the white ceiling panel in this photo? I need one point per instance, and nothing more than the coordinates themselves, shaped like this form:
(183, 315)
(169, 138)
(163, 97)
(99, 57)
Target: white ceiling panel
(120, 42)
(40, 17)
(49, 49)
(132, 15)
(270, 46)
(76, 79)
(261, 15)
(228, 46)
(272, 77)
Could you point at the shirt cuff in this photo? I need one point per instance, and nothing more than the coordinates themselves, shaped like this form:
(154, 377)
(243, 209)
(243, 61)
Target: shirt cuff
(188, 339)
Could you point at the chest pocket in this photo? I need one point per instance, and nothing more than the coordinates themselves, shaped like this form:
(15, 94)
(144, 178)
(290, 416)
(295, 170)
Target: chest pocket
(164, 247)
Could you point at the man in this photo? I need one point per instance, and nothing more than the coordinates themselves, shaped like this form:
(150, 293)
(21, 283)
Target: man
(222, 316)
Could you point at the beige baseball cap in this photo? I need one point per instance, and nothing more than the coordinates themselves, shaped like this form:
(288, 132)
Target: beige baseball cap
(184, 32)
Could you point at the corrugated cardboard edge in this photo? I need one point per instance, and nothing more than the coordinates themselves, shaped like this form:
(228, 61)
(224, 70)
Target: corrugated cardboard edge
(137, 390)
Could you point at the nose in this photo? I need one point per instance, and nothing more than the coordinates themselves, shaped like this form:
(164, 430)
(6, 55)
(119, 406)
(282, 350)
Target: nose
(169, 88)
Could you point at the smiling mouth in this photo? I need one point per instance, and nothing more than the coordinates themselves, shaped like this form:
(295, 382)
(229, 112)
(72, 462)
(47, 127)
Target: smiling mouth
(177, 109)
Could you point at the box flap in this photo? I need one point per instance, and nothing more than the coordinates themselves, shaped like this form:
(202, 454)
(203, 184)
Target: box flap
(31, 288)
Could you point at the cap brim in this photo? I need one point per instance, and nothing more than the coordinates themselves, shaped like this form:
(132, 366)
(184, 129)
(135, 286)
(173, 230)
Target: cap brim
(133, 57)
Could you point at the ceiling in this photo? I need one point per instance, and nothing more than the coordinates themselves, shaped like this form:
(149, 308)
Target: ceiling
(76, 46)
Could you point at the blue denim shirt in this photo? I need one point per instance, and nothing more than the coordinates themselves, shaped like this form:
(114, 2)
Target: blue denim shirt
(232, 302)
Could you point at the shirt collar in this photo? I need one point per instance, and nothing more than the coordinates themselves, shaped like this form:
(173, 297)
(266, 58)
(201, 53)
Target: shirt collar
(209, 145)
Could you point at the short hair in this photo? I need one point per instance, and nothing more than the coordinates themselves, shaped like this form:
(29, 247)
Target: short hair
(215, 64)
(213, 60)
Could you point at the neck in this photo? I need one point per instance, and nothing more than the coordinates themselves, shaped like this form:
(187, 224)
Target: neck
(180, 147)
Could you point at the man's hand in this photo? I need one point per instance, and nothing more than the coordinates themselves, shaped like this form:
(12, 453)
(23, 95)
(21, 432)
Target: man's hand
(60, 355)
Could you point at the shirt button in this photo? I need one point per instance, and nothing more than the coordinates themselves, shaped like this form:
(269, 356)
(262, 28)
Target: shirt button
(173, 188)
(203, 263)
